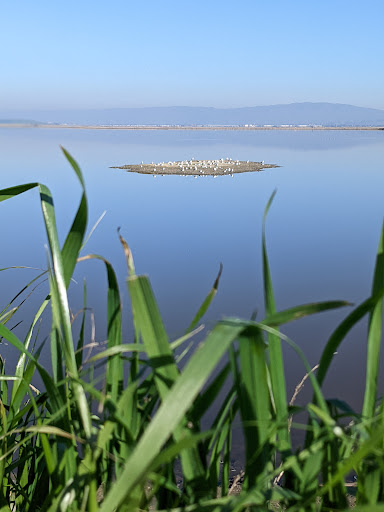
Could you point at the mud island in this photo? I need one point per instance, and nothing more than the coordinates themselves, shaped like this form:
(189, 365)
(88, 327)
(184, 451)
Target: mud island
(221, 167)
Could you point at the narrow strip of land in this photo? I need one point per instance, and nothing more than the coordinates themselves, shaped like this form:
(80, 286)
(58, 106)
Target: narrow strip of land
(222, 167)
(171, 127)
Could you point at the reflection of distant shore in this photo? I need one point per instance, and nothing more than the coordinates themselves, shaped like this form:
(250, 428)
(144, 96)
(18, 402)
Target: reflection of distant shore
(215, 128)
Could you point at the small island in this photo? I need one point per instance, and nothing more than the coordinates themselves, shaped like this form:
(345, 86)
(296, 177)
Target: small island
(221, 167)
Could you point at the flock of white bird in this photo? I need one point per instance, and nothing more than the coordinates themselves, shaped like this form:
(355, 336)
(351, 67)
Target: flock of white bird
(197, 167)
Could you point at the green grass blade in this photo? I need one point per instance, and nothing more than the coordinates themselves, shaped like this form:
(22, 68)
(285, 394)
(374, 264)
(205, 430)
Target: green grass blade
(117, 413)
(74, 240)
(370, 489)
(61, 303)
(75, 167)
(276, 363)
(292, 314)
(170, 453)
(171, 412)
(361, 452)
(119, 349)
(341, 332)
(60, 276)
(207, 301)
(255, 327)
(151, 329)
(204, 401)
(149, 326)
(56, 402)
(8, 193)
(374, 334)
(80, 342)
(269, 299)
(255, 404)
(75, 237)
(20, 366)
(186, 337)
(23, 289)
(3, 383)
(56, 336)
(22, 389)
(114, 374)
(221, 440)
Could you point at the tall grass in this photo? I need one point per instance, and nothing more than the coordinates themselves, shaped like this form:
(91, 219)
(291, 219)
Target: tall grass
(86, 443)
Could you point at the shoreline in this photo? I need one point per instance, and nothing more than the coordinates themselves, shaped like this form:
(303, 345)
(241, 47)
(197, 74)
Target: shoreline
(202, 128)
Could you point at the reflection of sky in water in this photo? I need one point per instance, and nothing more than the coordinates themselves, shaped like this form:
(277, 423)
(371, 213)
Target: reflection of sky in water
(322, 230)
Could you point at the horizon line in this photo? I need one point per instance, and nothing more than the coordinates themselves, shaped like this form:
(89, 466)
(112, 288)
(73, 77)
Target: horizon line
(49, 109)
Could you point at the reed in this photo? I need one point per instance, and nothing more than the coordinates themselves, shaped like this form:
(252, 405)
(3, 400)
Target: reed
(107, 441)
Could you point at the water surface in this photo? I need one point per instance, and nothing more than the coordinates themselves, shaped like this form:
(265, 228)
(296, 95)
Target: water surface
(322, 230)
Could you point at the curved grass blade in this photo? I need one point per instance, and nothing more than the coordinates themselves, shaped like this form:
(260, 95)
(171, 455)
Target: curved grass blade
(8, 315)
(20, 366)
(374, 334)
(80, 341)
(61, 275)
(56, 402)
(291, 314)
(8, 193)
(115, 367)
(59, 299)
(23, 289)
(341, 332)
(170, 453)
(276, 363)
(204, 401)
(186, 337)
(207, 301)
(75, 237)
(255, 327)
(254, 404)
(371, 489)
(171, 412)
(267, 280)
(371, 445)
(119, 349)
(149, 326)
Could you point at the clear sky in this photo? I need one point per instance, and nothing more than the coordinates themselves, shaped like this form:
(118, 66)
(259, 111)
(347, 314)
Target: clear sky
(219, 53)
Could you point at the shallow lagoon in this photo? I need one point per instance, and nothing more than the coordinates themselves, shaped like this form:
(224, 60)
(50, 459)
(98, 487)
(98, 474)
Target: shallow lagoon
(322, 230)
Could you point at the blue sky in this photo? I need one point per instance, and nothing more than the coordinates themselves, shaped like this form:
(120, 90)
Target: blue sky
(98, 54)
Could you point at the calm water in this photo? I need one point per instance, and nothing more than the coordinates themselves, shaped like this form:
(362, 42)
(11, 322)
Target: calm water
(322, 230)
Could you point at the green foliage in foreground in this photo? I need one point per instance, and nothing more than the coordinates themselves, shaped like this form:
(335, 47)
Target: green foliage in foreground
(108, 439)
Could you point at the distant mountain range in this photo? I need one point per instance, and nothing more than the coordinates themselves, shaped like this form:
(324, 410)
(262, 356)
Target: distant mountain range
(325, 114)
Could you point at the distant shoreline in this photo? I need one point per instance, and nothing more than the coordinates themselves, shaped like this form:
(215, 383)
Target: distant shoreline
(205, 128)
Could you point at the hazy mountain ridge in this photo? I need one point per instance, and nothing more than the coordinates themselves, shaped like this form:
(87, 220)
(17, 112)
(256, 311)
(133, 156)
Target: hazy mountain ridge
(325, 114)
